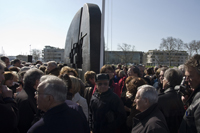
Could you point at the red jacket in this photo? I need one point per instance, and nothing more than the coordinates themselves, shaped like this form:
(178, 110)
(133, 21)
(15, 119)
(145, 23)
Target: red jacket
(121, 83)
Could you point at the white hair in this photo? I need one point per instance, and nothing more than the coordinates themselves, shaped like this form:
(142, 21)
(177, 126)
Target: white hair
(149, 92)
(54, 86)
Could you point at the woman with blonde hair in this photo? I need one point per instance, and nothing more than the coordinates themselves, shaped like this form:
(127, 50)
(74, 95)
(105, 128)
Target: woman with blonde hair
(69, 71)
(76, 97)
(11, 81)
(132, 86)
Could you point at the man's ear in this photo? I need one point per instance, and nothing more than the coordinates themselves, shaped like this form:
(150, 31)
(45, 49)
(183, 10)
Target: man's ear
(146, 101)
(37, 82)
(50, 98)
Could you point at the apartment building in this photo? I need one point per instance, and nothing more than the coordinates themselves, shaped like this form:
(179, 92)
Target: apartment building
(53, 54)
(124, 57)
(158, 57)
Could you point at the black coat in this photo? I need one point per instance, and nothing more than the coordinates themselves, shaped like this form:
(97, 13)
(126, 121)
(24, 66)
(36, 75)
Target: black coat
(60, 119)
(191, 119)
(8, 115)
(88, 92)
(106, 112)
(78, 108)
(27, 108)
(150, 121)
(171, 106)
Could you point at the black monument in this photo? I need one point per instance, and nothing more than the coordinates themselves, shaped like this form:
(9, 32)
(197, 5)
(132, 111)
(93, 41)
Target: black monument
(82, 46)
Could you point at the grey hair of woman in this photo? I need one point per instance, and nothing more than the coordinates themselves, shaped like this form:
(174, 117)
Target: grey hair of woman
(2, 65)
(173, 76)
(31, 76)
(54, 86)
(148, 92)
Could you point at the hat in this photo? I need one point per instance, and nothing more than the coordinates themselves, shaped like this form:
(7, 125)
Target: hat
(102, 76)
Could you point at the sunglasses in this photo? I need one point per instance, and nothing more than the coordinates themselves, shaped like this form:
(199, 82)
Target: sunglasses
(100, 84)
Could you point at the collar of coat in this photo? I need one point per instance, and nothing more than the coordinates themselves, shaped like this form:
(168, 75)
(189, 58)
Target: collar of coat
(97, 94)
(56, 109)
(169, 90)
(145, 113)
(193, 95)
(76, 97)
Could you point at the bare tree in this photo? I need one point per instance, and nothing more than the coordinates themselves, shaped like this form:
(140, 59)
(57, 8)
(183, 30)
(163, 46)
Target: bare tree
(196, 46)
(126, 50)
(179, 44)
(189, 47)
(36, 54)
(170, 45)
(126, 47)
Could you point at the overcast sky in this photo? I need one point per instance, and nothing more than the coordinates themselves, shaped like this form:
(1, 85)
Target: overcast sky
(26, 24)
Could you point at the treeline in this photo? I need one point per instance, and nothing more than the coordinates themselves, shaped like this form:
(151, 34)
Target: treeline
(176, 44)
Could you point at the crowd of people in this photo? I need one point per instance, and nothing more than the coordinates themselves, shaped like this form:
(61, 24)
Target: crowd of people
(51, 98)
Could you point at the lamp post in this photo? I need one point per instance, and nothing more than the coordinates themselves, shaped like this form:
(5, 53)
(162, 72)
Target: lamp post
(102, 44)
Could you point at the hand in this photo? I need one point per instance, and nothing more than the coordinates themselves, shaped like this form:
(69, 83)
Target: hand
(6, 92)
(18, 89)
(127, 109)
(184, 98)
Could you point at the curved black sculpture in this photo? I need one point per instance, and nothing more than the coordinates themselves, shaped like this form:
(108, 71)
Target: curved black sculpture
(82, 46)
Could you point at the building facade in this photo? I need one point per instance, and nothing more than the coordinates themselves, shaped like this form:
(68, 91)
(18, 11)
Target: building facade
(53, 54)
(123, 57)
(172, 58)
(22, 57)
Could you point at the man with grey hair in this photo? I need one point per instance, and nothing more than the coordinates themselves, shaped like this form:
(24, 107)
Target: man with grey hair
(8, 107)
(150, 119)
(59, 117)
(52, 68)
(169, 102)
(26, 101)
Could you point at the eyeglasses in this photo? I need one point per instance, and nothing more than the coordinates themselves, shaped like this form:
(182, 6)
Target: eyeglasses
(36, 93)
(100, 84)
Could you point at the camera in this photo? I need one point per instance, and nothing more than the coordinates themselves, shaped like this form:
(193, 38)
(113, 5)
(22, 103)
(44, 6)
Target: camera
(183, 88)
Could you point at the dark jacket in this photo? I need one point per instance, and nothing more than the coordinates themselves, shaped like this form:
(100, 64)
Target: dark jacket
(55, 72)
(150, 121)
(171, 106)
(129, 121)
(113, 86)
(60, 119)
(76, 107)
(191, 119)
(27, 108)
(106, 112)
(8, 115)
